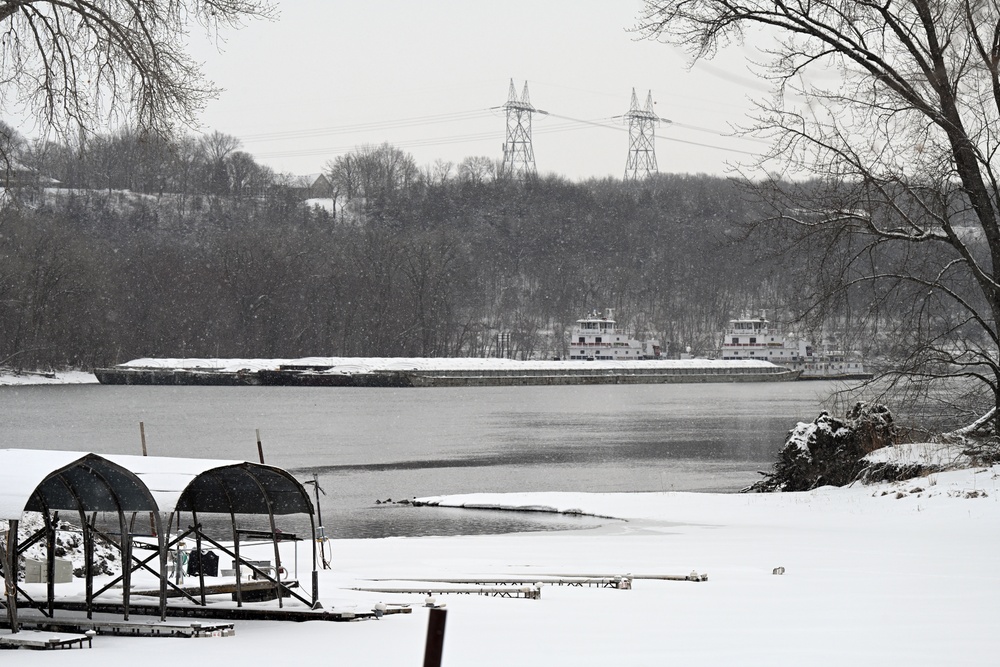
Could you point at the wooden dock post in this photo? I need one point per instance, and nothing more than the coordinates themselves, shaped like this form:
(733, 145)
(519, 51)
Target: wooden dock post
(435, 637)
(10, 565)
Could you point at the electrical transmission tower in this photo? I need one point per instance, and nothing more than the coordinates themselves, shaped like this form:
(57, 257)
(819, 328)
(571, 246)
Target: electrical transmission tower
(518, 155)
(641, 151)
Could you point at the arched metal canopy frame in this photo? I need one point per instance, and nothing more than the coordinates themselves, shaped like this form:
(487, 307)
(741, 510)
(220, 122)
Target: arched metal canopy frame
(232, 488)
(49, 481)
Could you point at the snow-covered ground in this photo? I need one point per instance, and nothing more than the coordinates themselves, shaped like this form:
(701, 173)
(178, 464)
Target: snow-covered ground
(58, 377)
(890, 574)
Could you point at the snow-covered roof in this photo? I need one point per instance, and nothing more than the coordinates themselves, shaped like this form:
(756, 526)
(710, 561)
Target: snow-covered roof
(219, 486)
(34, 480)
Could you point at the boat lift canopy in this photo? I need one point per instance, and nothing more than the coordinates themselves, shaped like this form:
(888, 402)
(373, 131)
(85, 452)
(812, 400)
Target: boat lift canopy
(46, 481)
(217, 486)
(33, 481)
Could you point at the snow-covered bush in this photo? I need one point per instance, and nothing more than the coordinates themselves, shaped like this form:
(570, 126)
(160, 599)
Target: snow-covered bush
(830, 451)
(69, 546)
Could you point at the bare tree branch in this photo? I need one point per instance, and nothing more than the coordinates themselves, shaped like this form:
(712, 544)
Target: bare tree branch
(905, 137)
(79, 63)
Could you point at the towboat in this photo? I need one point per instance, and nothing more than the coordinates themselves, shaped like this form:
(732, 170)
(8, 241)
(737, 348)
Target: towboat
(597, 338)
(753, 338)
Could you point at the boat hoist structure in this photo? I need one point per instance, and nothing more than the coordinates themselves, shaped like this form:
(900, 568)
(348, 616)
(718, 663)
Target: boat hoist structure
(139, 498)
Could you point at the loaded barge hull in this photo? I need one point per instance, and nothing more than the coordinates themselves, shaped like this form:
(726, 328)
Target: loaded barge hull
(363, 372)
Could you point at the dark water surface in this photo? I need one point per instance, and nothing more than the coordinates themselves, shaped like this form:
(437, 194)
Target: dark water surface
(382, 444)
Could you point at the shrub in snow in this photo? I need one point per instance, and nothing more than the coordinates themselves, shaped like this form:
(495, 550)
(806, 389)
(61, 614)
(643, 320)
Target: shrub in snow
(69, 546)
(829, 451)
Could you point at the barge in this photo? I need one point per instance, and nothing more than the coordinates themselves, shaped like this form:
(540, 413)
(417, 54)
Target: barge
(434, 372)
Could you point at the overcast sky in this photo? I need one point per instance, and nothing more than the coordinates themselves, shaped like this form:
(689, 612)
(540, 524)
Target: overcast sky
(330, 75)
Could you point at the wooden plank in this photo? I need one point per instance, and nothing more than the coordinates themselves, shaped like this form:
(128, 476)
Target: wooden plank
(218, 589)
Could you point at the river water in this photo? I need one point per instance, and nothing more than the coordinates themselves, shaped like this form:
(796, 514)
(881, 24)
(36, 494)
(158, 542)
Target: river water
(369, 445)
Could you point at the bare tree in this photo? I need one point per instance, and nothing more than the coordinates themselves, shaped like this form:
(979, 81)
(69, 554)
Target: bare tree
(376, 174)
(894, 109)
(77, 63)
(216, 148)
(343, 173)
(440, 172)
(477, 169)
(12, 144)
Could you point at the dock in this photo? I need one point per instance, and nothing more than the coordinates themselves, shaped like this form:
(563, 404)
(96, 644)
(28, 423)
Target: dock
(76, 625)
(525, 592)
(615, 582)
(252, 590)
(227, 611)
(693, 576)
(42, 640)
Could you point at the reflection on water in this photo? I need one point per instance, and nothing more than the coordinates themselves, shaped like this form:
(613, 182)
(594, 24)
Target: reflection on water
(370, 444)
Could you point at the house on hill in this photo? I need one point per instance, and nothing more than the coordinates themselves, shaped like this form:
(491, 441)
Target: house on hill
(15, 175)
(314, 190)
(21, 183)
(313, 186)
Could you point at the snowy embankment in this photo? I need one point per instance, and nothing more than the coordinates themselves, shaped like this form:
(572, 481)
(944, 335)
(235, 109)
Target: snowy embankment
(8, 378)
(901, 573)
(923, 495)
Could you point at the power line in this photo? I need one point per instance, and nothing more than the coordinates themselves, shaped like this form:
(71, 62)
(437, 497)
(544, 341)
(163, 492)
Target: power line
(571, 124)
(659, 136)
(415, 143)
(364, 127)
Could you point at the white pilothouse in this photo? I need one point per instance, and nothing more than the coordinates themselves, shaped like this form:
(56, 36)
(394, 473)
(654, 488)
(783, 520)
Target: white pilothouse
(753, 338)
(597, 337)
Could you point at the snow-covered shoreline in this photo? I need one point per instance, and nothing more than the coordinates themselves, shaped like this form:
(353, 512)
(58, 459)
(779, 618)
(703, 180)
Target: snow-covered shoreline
(900, 573)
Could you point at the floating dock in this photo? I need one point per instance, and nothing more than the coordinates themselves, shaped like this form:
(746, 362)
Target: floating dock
(76, 626)
(435, 372)
(38, 639)
(524, 592)
(616, 582)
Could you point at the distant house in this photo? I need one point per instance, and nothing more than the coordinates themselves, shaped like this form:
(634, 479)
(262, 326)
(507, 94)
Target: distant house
(321, 186)
(312, 186)
(15, 175)
(23, 184)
